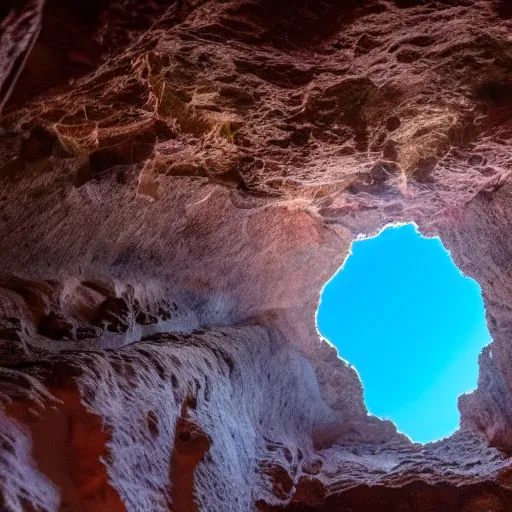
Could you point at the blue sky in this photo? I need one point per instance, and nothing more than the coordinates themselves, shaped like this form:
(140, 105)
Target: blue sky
(412, 325)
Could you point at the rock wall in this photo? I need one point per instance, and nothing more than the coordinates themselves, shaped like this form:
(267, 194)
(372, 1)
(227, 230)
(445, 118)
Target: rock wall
(178, 181)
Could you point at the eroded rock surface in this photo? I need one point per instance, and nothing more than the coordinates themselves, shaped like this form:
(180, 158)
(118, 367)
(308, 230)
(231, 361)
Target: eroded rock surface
(178, 180)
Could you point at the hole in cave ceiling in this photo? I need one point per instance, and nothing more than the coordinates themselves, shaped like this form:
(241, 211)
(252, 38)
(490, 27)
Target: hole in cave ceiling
(412, 325)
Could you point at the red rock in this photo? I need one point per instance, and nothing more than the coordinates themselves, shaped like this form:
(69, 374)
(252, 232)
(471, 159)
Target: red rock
(177, 182)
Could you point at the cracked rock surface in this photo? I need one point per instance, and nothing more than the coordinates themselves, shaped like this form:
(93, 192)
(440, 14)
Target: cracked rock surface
(178, 179)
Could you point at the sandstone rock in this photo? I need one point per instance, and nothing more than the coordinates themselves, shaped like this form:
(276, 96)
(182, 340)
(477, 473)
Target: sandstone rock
(178, 179)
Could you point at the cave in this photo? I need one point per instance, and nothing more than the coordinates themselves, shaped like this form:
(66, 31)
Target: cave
(179, 179)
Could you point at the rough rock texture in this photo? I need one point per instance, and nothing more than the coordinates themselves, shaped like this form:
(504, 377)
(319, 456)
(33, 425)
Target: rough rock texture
(178, 181)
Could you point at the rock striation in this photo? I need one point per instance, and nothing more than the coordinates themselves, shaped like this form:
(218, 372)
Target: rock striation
(178, 181)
